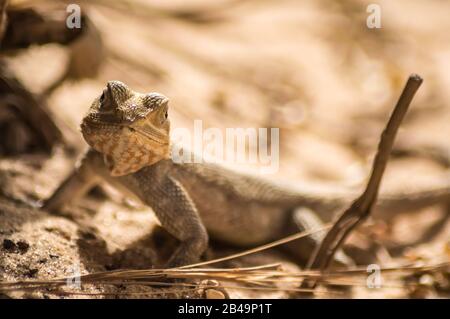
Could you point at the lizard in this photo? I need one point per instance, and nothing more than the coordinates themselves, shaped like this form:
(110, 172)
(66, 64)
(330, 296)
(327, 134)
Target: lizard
(128, 134)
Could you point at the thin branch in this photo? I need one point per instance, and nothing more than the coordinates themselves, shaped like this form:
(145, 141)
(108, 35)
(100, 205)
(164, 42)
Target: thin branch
(3, 18)
(361, 208)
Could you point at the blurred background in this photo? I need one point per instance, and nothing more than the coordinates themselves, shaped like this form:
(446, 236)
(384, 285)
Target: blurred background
(311, 68)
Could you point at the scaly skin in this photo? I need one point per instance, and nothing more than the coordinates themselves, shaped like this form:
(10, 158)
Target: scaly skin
(128, 133)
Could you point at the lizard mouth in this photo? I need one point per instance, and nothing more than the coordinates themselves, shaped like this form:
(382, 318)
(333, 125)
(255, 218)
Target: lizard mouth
(152, 136)
(89, 125)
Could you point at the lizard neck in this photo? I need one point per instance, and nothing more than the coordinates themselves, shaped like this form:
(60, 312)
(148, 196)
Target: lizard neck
(132, 152)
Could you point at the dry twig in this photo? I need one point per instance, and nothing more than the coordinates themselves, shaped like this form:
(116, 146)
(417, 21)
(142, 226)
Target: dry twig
(361, 208)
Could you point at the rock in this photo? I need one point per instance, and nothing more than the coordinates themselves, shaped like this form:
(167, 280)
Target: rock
(9, 245)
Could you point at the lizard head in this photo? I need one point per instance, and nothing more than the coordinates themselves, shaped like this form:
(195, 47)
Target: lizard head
(131, 129)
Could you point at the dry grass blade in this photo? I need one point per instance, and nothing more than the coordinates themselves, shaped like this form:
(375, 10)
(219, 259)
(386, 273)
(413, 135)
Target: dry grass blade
(263, 277)
(341, 278)
(261, 248)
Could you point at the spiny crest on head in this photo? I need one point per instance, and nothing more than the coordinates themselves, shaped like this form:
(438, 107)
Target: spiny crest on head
(141, 105)
(153, 100)
(119, 90)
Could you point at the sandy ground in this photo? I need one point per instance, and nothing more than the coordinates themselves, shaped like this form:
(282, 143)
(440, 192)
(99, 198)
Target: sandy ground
(312, 69)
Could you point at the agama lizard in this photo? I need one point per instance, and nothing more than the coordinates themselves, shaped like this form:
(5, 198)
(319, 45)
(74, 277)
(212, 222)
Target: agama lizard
(128, 133)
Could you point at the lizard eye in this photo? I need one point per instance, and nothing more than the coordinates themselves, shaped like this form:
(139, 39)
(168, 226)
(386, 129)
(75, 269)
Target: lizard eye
(102, 98)
(164, 117)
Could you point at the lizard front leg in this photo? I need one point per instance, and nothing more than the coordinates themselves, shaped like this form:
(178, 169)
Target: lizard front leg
(75, 185)
(178, 215)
